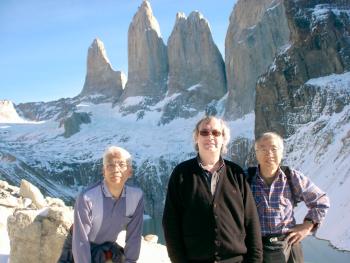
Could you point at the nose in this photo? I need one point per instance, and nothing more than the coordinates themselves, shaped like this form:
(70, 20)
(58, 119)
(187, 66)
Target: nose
(269, 152)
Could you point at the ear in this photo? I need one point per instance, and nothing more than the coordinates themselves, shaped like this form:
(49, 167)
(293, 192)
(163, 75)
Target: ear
(129, 171)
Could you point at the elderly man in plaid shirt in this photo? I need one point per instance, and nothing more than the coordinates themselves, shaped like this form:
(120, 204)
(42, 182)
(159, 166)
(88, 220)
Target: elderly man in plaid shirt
(275, 192)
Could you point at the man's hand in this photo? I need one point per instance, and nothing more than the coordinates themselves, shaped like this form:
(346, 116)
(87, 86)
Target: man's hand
(299, 232)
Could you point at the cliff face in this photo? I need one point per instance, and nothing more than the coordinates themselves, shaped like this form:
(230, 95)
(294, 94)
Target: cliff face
(196, 68)
(257, 30)
(194, 58)
(147, 57)
(100, 78)
(319, 47)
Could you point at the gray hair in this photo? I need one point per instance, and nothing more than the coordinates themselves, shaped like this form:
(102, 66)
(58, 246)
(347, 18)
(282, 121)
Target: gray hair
(224, 129)
(114, 151)
(269, 135)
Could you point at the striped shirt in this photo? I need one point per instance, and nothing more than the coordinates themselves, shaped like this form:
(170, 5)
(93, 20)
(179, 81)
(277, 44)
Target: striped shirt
(275, 204)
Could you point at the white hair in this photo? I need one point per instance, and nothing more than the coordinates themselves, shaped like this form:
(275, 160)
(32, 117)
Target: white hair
(114, 151)
(267, 135)
(224, 129)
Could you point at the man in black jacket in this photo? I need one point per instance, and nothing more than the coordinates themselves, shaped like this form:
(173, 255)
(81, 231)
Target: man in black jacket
(210, 214)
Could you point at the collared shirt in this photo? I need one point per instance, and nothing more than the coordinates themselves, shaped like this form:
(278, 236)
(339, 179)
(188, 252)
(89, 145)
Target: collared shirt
(212, 178)
(114, 220)
(275, 204)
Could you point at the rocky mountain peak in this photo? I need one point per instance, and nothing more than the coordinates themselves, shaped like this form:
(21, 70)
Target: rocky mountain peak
(100, 78)
(144, 18)
(97, 49)
(180, 16)
(196, 16)
(147, 57)
(196, 67)
(8, 112)
(6, 104)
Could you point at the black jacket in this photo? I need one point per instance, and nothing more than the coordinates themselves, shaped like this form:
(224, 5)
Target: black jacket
(200, 227)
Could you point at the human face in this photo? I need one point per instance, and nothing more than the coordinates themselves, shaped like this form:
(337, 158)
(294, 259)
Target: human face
(209, 138)
(269, 153)
(116, 171)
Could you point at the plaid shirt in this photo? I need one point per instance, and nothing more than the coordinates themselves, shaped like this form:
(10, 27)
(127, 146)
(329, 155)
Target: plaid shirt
(275, 204)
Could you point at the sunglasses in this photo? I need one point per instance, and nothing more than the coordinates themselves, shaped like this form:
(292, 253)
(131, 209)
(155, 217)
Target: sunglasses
(215, 133)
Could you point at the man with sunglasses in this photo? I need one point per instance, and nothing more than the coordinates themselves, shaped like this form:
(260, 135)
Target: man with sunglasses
(276, 190)
(103, 210)
(210, 213)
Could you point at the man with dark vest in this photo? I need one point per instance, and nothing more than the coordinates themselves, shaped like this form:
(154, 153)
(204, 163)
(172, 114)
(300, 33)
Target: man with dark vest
(276, 190)
(210, 213)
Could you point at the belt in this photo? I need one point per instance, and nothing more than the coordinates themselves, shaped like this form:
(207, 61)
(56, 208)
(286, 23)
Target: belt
(268, 239)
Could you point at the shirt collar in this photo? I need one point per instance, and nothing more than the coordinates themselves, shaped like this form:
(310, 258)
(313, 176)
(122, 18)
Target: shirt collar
(221, 160)
(106, 191)
(279, 174)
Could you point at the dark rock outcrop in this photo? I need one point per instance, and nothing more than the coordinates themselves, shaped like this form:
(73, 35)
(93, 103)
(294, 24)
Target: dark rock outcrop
(257, 30)
(320, 46)
(72, 123)
(40, 111)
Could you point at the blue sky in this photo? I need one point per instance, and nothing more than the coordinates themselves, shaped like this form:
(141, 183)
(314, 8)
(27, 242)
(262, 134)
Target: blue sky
(44, 43)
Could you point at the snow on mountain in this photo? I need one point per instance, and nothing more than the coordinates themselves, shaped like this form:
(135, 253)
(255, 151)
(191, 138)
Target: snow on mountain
(53, 158)
(8, 114)
(321, 150)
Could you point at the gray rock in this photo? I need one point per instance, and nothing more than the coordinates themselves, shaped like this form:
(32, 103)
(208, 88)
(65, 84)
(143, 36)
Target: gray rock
(100, 78)
(40, 111)
(239, 151)
(36, 237)
(257, 29)
(72, 123)
(196, 68)
(319, 47)
(27, 190)
(147, 57)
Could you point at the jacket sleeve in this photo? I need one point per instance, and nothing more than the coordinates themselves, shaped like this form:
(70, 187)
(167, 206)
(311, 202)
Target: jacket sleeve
(172, 221)
(134, 233)
(252, 227)
(81, 228)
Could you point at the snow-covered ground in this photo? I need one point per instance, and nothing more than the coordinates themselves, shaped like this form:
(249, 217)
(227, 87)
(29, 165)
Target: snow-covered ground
(321, 149)
(4, 240)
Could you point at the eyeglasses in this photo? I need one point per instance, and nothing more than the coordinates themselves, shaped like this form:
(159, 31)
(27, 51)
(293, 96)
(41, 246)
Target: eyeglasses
(274, 150)
(120, 165)
(215, 133)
